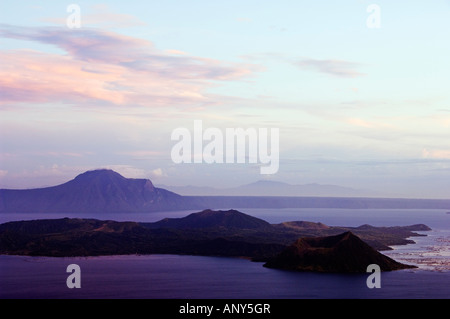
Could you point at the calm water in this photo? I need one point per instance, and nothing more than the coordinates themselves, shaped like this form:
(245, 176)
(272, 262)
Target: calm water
(200, 277)
(168, 276)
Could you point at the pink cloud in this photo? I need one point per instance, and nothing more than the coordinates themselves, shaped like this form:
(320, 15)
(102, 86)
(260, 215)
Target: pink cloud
(28, 76)
(374, 124)
(436, 154)
(107, 67)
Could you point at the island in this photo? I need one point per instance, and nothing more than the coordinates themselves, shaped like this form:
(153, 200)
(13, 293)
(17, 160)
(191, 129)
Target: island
(343, 253)
(208, 233)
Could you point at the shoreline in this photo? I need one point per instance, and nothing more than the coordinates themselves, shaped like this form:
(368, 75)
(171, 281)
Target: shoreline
(431, 252)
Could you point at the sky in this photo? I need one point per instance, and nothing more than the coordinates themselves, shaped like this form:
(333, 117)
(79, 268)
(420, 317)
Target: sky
(359, 90)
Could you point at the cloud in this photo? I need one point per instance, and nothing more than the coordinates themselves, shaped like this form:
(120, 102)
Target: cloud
(368, 124)
(57, 153)
(337, 68)
(3, 173)
(176, 52)
(29, 76)
(107, 67)
(360, 122)
(436, 154)
(127, 171)
(140, 153)
(57, 172)
(333, 67)
(158, 172)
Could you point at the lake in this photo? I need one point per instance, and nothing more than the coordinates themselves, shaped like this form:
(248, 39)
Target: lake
(195, 277)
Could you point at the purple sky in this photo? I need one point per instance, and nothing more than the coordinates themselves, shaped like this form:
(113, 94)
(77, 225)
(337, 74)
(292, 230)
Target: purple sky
(356, 106)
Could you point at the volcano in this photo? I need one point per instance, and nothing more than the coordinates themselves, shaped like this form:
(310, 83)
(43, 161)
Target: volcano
(343, 253)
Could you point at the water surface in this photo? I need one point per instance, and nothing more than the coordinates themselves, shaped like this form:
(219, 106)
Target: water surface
(193, 277)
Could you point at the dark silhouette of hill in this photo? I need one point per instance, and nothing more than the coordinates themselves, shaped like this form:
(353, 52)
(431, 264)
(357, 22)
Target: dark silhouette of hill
(345, 252)
(94, 191)
(216, 233)
(230, 219)
(90, 237)
(304, 225)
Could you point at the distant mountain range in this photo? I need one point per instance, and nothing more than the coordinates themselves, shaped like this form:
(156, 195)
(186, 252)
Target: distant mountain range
(274, 188)
(106, 191)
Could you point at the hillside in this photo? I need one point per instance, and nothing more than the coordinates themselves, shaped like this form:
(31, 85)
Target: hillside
(90, 237)
(230, 219)
(345, 253)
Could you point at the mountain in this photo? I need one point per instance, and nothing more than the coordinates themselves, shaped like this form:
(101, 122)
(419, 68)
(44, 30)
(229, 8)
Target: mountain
(274, 188)
(345, 252)
(230, 219)
(105, 191)
(94, 191)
